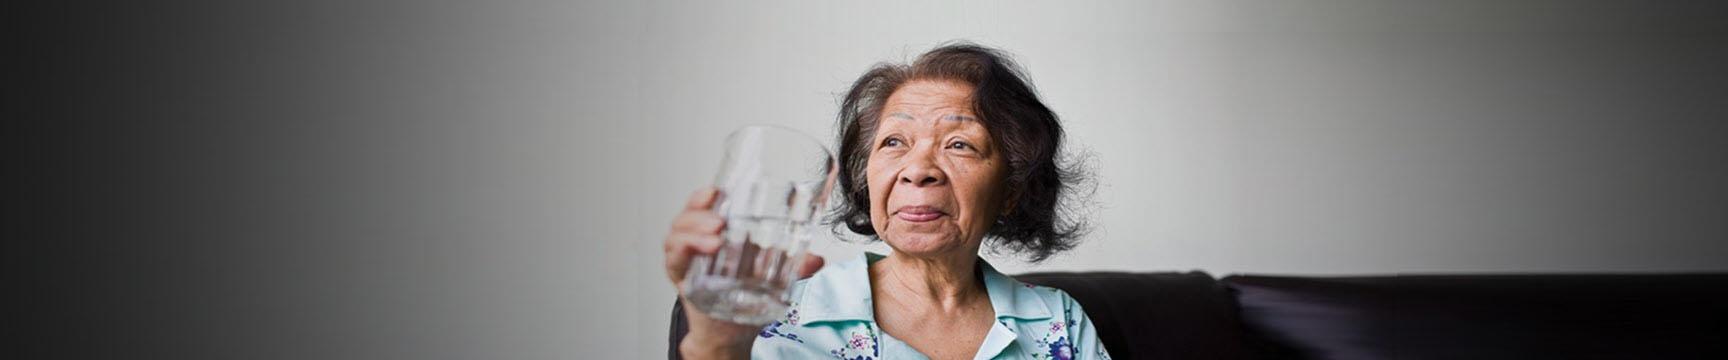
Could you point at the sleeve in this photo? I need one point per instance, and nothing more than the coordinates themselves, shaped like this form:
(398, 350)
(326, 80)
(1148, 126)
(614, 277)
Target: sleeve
(1086, 344)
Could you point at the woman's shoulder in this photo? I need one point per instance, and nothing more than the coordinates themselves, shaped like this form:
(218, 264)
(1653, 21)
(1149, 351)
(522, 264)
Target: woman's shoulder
(1061, 304)
(1060, 330)
(1047, 292)
(842, 277)
(1020, 299)
(828, 316)
(1050, 295)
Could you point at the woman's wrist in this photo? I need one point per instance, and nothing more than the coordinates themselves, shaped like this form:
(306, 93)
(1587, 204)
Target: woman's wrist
(699, 347)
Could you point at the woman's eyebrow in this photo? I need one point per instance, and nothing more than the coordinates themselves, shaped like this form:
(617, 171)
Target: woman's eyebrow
(955, 117)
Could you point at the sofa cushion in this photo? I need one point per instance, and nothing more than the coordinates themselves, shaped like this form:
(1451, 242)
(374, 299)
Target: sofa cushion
(1489, 316)
(1156, 315)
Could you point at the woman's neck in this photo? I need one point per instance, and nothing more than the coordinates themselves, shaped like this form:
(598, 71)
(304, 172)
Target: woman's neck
(948, 283)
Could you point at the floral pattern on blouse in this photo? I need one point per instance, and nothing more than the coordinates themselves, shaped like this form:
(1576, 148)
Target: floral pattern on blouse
(1055, 344)
(774, 329)
(855, 348)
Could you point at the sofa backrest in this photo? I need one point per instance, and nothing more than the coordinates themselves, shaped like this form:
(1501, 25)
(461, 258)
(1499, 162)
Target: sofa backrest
(1489, 316)
(1156, 315)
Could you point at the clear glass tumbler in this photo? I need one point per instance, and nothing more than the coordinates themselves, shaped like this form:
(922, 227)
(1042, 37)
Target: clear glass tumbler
(774, 184)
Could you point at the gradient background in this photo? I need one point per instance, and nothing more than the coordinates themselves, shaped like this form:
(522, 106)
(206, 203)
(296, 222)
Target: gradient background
(394, 179)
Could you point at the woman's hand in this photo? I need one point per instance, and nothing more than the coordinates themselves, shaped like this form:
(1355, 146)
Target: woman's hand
(696, 231)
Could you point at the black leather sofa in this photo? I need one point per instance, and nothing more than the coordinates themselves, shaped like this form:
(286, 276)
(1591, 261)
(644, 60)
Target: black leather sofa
(1595, 316)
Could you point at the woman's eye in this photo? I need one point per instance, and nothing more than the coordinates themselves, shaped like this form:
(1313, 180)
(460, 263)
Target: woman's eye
(891, 142)
(959, 145)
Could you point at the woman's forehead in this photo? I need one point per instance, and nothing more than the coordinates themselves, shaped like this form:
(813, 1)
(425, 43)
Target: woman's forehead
(921, 99)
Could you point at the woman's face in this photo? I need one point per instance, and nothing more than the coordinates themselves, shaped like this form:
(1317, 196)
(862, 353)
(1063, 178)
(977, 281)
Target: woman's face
(934, 172)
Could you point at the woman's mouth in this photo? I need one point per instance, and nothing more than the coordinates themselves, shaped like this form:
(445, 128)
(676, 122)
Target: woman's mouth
(919, 213)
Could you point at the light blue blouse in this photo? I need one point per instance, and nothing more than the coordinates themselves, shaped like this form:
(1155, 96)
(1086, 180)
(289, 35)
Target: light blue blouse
(832, 317)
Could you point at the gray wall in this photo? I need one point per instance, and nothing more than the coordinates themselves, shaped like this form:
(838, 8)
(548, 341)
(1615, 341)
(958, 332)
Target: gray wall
(409, 180)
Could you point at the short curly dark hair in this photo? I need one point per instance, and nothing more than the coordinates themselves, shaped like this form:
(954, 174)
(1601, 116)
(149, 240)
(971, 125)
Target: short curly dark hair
(1028, 132)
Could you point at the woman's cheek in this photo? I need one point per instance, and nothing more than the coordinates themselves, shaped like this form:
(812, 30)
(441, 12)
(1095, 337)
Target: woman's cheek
(878, 180)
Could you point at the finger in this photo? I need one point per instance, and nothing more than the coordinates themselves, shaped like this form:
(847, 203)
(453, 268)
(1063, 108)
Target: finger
(812, 263)
(705, 243)
(681, 247)
(702, 199)
(698, 221)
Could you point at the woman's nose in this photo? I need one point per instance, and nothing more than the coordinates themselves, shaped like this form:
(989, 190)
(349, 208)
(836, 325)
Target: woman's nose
(922, 173)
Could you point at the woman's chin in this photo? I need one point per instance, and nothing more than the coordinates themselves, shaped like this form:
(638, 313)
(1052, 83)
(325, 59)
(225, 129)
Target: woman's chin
(924, 244)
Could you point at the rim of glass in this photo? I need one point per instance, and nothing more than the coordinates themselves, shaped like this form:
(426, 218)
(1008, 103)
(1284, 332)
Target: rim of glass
(811, 140)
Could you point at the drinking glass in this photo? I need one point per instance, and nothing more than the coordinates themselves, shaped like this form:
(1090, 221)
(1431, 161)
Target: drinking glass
(774, 184)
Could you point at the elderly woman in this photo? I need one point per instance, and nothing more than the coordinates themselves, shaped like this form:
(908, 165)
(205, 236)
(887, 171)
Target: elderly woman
(936, 157)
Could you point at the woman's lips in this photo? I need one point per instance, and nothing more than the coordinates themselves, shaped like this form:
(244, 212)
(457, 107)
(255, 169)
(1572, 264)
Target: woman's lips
(918, 213)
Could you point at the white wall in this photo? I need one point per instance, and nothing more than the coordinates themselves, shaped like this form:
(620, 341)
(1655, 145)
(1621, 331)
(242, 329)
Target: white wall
(1287, 137)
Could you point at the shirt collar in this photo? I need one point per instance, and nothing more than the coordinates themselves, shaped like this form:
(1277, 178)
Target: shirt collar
(1012, 298)
(841, 292)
